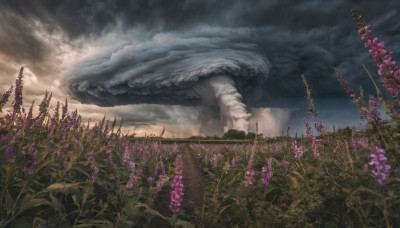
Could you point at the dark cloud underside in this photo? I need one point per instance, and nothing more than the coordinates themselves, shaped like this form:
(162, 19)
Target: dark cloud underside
(165, 52)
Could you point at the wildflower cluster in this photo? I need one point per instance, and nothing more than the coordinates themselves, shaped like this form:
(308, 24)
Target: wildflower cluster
(372, 112)
(286, 166)
(29, 160)
(346, 87)
(298, 153)
(250, 172)
(18, 91)
(93, 167)
(236, 161)
(162, 179)
(4, 98)
(387, 68)
(177, 186)
(47, 151)
(380, 170)
(249, 178)
(267, 174)
(214, 159)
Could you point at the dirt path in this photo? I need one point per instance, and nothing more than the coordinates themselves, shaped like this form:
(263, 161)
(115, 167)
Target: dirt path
(194, 188)
(194, 184)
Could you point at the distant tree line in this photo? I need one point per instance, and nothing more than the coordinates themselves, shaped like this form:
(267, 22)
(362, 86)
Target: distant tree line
(237, 134)
(231, 134)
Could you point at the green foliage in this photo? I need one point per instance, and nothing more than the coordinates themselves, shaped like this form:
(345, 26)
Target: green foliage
(234, 134)
(237, 134)
(56, 172)
(334, 190)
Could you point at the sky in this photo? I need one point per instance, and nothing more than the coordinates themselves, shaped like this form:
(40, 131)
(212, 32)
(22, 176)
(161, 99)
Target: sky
(195, 67)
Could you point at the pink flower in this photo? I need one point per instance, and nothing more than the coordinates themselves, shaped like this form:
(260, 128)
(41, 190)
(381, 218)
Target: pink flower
(177, 186)
(150, 179)
(248, 178)
(267, 174)
(380, 170)
(93, 167)
(5, 97)
(387, 68)
(298, 153)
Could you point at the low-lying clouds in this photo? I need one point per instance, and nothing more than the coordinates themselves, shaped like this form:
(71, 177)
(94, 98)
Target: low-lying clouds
(152, 58)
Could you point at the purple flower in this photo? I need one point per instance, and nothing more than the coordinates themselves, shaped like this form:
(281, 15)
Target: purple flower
(374, 113)
(248, 178)
(56, 115)
(5, 97)
(109, 152)
(380, 170)
(286, 166)
(177, 186)
(150, 179)
(62, 159)
(267, 174)
(349, 91)
(277, 148)
(18, 91)
(251, 160)
(126, 156)
(162, 168)
(394, 111)
(132, 166)
(233, 163)
(9, 150)
(93, 167)
(131, 180)
(215, 158)
(387, 69)
(160, 183)
(129, 185)
(52, 131)
(298, 153)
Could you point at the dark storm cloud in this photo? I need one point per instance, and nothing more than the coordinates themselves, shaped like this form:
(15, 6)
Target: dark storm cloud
(336, 44)
(309, 37)
(167, 68)
(165, 52)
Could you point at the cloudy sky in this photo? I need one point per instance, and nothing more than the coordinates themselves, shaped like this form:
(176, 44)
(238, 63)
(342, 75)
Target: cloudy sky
(195, 66)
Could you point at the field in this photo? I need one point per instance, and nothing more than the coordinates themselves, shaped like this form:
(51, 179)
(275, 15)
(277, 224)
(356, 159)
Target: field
(56, 171)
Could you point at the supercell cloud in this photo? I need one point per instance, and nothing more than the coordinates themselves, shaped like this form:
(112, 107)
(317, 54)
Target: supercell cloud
(172, 69)
(229, 57)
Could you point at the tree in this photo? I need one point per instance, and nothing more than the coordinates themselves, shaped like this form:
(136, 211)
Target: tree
(234, 134)
(251, 135)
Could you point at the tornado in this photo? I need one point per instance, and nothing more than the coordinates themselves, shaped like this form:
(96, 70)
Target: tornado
(224, 93)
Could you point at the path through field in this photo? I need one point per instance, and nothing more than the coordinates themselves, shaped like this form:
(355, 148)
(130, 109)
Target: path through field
(194, 188)
(193, 182)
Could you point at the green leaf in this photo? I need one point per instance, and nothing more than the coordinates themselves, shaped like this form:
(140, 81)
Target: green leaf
(96, 223)
(62, 186)
(184, 224)
(35, 203)
(81, 171)
(56, 204)
(150, 211)
(56, 186)
(9, 203)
